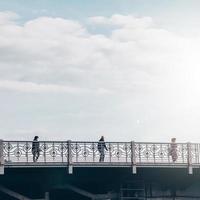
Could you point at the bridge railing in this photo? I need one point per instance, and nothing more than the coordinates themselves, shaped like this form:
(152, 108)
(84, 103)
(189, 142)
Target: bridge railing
(16, 152)
(160, 153)
(113, 152)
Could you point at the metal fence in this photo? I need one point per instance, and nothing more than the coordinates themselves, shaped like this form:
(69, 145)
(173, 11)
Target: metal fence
(88, 152)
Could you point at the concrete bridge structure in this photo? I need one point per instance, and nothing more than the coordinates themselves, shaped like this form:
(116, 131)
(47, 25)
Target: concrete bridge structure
(71, 170)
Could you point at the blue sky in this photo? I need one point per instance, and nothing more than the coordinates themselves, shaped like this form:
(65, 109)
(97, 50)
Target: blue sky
(178, 14)
(81, 9)
(128, 70)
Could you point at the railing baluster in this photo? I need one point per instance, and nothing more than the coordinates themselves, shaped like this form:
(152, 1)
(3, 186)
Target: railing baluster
(44, 152)
(126, 151)
(198, 153)
(196, 157)
(1, 157)
(147, 152)
(69, 157)
(84, 151)
(110, 153)
(26, 148)
(93, 152)
(189, 153)
(182, 153)
(69, 151)
(161, 153)
(133, 157)
(76, 152)
(118, 152)
(17, 151)
(154, 154)
(62, 148)
(139, 153)
(9, 151)
(168, 155)
(53, 150)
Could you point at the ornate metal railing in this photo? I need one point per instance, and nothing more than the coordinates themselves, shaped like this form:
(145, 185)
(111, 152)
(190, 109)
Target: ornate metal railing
(127, 153)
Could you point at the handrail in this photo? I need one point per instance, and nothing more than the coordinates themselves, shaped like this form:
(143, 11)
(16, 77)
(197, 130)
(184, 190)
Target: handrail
(96, 141)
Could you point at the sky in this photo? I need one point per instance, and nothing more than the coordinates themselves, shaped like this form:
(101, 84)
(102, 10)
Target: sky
(128, 70)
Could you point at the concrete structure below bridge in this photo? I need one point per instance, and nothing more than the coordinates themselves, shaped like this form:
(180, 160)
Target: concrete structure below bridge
(99, 183)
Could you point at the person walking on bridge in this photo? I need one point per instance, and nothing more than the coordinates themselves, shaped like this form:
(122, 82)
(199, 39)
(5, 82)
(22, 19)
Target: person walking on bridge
(35, 149)
(173, 150)
(101, 148)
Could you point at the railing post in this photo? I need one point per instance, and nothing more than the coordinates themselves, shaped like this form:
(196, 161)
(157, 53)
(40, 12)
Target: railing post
(1, 158)
(69, 159)
(133, 157)
(189, 157)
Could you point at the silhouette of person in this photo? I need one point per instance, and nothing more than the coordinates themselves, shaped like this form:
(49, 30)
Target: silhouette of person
(101, 148)
(35, 149)
(173, 150)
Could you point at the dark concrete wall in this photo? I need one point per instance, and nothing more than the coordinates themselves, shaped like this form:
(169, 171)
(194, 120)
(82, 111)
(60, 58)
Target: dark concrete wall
(159, 182)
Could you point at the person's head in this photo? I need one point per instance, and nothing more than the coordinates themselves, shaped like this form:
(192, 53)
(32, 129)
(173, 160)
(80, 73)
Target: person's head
(36, 138)
(173, 140)
(102, 138)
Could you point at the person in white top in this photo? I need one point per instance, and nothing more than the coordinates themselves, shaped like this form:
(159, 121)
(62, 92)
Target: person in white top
(173, 150)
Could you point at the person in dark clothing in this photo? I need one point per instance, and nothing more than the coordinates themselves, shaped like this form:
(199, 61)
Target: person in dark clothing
(101, 147)
(35, 149)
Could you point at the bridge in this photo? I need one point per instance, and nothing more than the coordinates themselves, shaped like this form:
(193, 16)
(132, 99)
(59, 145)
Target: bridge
(82, 154)
(129, 170)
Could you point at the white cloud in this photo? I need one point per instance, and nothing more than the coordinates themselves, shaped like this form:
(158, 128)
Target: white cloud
(8, 17)
(30, 87)
(46, 27)
(127, 21)
(147, 73)
(34, 87)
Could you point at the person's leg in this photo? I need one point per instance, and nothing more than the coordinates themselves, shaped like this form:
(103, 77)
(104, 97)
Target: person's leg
(34, 156)
(101, 157)
(37, 155)
(174, 156)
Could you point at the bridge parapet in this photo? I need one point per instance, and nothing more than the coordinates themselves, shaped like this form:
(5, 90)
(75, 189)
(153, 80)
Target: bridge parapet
(79, 153)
